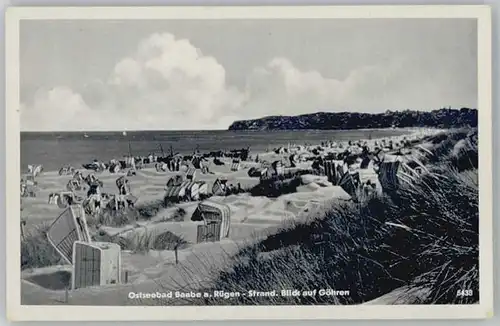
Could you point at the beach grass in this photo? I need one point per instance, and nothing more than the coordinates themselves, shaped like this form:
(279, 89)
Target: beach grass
(276, 188)
(127, 216)
(145, 241)
(149, 209)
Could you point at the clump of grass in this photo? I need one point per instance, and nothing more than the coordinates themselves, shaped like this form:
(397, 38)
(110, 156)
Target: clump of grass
(116, 218)
(445, 144)
(149, 240)
(276, 188)
(465, 155)
(36, 251)
(148, 210)
(126, 216)
(179, 215)
(169, 241)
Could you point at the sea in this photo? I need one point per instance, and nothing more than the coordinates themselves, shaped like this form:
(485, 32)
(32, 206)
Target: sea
(56, 149)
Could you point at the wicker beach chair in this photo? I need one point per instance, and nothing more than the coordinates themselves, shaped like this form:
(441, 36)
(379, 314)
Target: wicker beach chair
(217, 218)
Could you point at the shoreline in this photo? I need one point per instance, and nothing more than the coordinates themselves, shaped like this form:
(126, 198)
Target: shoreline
(402, 132)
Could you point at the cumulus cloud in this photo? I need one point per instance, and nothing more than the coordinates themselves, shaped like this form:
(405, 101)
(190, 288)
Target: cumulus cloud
(56, 107)
(282, 88)
(168, 83)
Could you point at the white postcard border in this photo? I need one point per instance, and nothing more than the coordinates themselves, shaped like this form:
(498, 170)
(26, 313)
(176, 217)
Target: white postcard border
(17, 312)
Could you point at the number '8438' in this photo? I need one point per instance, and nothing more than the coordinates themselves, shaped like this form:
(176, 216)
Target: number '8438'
(465, 293)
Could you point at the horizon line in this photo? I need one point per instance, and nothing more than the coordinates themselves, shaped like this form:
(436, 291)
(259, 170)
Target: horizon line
(262, 117)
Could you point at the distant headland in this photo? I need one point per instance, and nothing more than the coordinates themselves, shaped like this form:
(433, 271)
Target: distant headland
(442, 118)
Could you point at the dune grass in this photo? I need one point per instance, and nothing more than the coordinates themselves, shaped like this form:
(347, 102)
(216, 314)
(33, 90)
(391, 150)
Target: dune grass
(127, 216)
(148, 210)
(275, 188)
(424, 235)
(113, 218)
(179, 215)
(147, 240)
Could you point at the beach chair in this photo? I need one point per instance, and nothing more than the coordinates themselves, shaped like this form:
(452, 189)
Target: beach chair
(209, 212)
(73, 185)
(62, 199)
(318, 167)
(196, 161)
(265, 164)
(365, 162)
(208, 232)
(169, 165)
(176, 189)
(203, 190)
(122, 182)
(331, 172)
(95, 264)
(190, 174)
(78, 175)
(114, 168)
(388, 175)
(28, 187)
(35, 170)
(65, 199)
(278, 167)
(293, 160)
(219, 187)
(235, 165)
(30, 180)
(196, 190)
(91, 179)
(350, 182)
(68, 227)
(63, 171)
(205, 167)
(124, 189)
(175, 180)
(162, 167)
(192, 190)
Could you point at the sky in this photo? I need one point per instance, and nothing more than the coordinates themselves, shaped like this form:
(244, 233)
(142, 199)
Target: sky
(205, 74)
